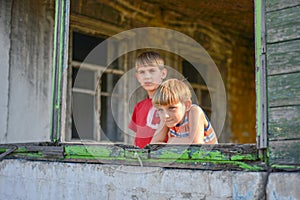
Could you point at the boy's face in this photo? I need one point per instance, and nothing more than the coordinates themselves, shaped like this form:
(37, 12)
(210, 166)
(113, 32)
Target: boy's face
(173, 114)
(150, 77)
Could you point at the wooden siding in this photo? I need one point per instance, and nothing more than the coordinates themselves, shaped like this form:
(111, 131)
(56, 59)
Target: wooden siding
(284, 123)
(283, 25)
(283, 57)
(285, 152)
(284, 90)
(283, 80)
(274, 5)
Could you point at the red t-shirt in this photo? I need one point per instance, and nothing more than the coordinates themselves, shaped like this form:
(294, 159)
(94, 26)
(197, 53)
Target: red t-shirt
(144, 122)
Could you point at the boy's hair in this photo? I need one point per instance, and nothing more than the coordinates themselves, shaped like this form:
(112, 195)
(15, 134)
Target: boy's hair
(171, 92)
(149, 58)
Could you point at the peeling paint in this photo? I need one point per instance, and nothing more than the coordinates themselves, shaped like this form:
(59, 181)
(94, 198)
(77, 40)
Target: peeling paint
(286, 167)
(202, 159)
(211, 155)
(244, 157)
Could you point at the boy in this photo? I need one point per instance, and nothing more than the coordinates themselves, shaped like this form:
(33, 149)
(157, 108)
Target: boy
(182, 121)
(150, 72)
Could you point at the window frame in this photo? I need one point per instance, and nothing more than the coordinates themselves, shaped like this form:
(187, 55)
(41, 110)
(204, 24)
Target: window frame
(260, 75)
(131, 155)
(97, 94)
(87, 27)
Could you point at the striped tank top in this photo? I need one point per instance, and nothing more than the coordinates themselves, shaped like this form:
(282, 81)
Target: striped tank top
(182, 130)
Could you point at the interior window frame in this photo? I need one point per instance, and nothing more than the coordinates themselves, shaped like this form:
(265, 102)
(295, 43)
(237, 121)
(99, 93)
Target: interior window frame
(99, 71)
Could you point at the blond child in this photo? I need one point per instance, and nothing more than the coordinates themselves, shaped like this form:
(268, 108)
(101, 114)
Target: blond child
(150, 72)
(181, 121)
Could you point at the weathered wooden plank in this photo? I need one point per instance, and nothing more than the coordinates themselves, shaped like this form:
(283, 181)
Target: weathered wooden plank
(210, 157)
(7, 152)
(283, 25)
(285, 152)
(136, 153)
(33, 150)
(206, 157)
(284, 123)
(272, 5)
(225, 152)
(233, 152)
(93, 151)
(169, 152)
(283, 57)
(283, 90)
(47, 151)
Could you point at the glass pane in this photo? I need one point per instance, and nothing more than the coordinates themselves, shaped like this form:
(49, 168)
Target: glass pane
(83, 117)
(110, 131)
(87, 79)
(83, 45)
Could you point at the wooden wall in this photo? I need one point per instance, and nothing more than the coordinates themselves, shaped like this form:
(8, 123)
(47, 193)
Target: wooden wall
(283, 80)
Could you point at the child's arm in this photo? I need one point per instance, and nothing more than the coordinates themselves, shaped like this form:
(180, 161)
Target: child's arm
(197, 123)
(160, 134)
(196, 126)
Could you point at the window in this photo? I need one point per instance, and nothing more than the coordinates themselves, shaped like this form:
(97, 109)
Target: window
(92, 93)
(88, 28)
(198, 84)
(232, 54)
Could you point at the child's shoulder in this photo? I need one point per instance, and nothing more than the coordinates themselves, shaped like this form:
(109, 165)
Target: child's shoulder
(144, 102)
(196, 110)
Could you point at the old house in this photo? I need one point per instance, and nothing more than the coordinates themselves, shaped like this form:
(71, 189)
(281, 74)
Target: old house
(68, 90)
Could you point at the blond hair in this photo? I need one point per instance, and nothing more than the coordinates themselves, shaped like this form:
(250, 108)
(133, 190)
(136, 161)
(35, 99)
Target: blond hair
(149, 58)
(171, 92)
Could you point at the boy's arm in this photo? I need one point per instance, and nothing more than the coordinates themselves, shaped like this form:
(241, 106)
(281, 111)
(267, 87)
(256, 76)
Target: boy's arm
(196, 123)
(160, 134)
(196, 126)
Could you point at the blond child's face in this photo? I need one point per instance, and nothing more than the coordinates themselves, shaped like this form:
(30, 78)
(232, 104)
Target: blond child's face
(173, 114)
(150, 77)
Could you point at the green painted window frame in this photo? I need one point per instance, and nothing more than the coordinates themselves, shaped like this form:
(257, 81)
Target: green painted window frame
(260, 65)
(60, 64)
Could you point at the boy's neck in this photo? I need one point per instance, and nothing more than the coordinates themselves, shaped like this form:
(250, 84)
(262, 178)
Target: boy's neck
(150, 94)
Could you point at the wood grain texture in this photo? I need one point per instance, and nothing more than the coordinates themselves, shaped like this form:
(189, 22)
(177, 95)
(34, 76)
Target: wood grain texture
(283, 25)
(284, 123)
(283, 57)
(272, 5)
(209, 157)
(205, 152)
(283, 90)
(285, 152)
